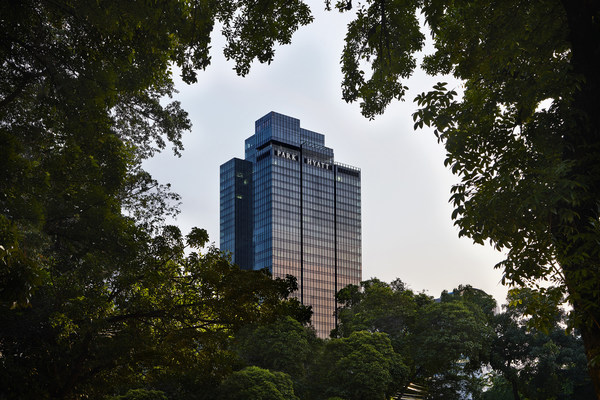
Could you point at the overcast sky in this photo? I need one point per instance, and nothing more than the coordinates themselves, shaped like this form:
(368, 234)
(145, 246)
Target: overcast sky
(407, 229)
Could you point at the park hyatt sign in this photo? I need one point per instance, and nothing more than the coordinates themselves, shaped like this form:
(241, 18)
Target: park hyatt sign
(287, 155)
(317, 164)
(294, 157)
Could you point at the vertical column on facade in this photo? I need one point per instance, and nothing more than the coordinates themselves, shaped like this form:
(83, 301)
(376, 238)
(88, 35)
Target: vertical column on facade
(301, 227)
(335, 246)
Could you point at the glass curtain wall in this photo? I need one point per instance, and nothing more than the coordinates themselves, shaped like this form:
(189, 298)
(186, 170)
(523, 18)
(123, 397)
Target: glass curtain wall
(305, 208)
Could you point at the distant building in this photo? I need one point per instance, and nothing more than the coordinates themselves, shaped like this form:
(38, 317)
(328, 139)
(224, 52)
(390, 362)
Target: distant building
(291, 208)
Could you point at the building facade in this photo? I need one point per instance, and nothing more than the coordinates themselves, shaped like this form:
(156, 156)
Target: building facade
(290, 208)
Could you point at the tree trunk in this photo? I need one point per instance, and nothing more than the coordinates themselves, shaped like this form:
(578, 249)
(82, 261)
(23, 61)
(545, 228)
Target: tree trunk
(577, 242)
(591, 339)
(515, 389)
(582, 284)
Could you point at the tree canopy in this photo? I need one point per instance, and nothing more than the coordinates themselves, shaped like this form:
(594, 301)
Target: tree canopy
(441, 343)
(522, 131)
(461, 345)
(157, 318)
(96, 293)
(359, 367)
(83, 86)
(254, 383)
(536, 363)
(284, 345)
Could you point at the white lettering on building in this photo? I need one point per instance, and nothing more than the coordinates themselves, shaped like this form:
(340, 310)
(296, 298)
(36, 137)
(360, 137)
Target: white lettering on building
(318, 164)
(287, 155)
(309, 161)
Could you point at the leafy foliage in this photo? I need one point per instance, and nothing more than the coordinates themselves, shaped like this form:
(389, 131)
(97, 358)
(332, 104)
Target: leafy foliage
(359, 367)
(523, 136)
(254, 383)
(96, 294)
(385, 36)
(84, 99)
(441, 343)
(392, 342)
(156, 316)
(534, 363)
(284, 345)
(252, 29)
(141, 394)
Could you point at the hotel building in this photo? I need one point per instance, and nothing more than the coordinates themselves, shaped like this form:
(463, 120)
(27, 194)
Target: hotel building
(291, 208)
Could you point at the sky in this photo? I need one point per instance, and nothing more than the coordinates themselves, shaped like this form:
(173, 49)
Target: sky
(407, 230)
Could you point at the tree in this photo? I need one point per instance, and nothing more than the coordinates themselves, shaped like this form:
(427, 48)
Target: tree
(534, 363)
(359, 367)
(451, 340)
(95, 292)
(166, 315)
(284, 345)
(82, 86)
(141, 394)
(376, 307)
(443, 343)
(523, 136)
(254, 383)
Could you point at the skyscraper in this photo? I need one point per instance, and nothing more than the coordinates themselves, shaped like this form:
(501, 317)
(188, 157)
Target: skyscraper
(291, 208)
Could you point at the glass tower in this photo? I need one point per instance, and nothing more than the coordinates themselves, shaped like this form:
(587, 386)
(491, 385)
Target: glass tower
(291, 208)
